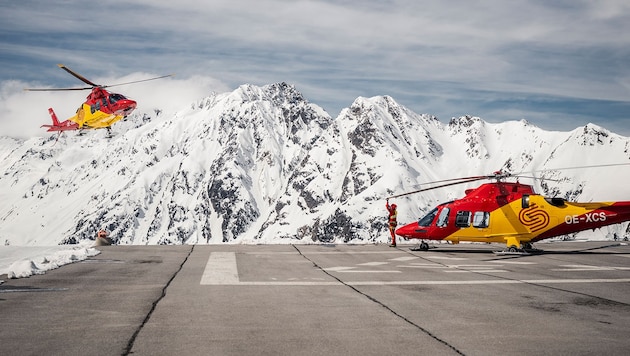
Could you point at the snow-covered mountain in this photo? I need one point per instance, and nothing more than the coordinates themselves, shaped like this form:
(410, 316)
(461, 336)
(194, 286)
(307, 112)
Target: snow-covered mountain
(263, 165)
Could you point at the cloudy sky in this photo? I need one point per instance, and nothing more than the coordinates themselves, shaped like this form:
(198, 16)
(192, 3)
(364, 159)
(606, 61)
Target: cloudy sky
(558, 64)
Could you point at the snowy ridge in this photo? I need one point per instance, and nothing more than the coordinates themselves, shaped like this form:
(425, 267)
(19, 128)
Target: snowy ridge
(263, 165)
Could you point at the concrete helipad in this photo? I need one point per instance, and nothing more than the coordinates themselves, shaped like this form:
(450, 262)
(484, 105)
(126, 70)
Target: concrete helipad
(324, 299)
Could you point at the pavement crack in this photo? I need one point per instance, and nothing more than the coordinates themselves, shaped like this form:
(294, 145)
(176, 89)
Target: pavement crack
(369, 297)
(127, 350)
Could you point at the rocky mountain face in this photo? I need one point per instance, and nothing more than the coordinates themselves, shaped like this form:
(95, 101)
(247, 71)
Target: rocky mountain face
(263, 165)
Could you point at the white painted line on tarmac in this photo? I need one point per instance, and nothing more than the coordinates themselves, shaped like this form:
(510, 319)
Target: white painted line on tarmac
(433, 283)
(347, 269)
(380, 252)
(367, 271)
(338, 269)
(473, 266)
(475, 271)
(373, 264)
(433, 257)
(581, 268)
(403, 259)
(221, 269)
(490, 281)
(422, 265)
(285, 283)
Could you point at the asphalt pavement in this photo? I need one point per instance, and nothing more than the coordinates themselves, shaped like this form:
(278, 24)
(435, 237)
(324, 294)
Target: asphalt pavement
(573, 299)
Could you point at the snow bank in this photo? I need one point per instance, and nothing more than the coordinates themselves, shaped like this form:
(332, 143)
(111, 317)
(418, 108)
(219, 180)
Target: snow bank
(25, 261)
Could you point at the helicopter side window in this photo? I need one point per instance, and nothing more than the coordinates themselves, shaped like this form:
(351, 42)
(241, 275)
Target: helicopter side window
(443, 218)
(462, 219)
(481, 219)
(555, 201)
(428, 219)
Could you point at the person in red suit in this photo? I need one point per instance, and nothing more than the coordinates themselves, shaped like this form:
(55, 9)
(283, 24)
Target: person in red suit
(392, 222)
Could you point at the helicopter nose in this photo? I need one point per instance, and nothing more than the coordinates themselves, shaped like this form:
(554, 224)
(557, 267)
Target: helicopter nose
(125, 107)
(412, 231)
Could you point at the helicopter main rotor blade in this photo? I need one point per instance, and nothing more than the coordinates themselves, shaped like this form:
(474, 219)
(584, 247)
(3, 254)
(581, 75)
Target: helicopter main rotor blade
(457, 181)
(87, 81)
(77, 75)
(56, 89)
(578, 167)
(498, 175)
(137, 81)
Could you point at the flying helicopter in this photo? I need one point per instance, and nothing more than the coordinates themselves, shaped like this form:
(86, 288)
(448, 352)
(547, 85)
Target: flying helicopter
(101, 108)
(508, 212)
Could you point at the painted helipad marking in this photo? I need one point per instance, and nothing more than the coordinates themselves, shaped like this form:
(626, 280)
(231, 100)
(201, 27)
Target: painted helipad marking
(29, 290)
(581, 268)
(367, 271)
(508, 262)
(422, 265)
(338, 269)
(476, 270)
(220, 269)
(433, 283)
(473, 266)
(347, 269)
(490, 281)
(445, 258)
(373, 264)
(456, 268)
(403, 259)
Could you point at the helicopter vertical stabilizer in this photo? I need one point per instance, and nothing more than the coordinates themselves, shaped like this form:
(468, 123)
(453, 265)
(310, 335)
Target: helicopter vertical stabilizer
(60, 126)
(53, 116)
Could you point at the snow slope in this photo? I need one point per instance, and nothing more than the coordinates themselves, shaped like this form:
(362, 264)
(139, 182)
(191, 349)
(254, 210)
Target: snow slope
(263, 165)
(25, 261)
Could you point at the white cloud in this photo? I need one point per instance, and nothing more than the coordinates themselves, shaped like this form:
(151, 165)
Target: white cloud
(336, 50)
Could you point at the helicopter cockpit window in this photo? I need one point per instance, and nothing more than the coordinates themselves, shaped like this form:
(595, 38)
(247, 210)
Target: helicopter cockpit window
(481, 219)
(428, 219)
(442, 220)
(113, 98)
(462, 219)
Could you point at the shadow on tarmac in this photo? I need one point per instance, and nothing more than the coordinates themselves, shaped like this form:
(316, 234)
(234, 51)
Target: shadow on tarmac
(597, 250)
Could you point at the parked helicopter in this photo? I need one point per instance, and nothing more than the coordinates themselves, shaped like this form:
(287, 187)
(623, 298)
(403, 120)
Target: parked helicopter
(101, 109)
(510, 213)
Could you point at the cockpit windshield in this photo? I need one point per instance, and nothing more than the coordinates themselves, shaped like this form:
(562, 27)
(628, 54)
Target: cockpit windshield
(428, 219)
(113, 98)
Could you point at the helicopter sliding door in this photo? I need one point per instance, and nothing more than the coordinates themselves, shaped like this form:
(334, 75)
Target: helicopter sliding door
(473, 225)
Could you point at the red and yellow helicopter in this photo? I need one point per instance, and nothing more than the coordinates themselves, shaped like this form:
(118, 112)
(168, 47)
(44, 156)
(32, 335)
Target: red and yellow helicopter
(510, 213)
(101, 109)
